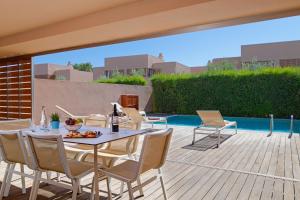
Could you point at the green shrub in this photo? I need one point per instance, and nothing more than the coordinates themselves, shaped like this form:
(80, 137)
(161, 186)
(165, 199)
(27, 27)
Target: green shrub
(253, 93)
(127, 80)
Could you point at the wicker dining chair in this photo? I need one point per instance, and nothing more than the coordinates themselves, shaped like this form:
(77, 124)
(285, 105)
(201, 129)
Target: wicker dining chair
(153, 156)
(13, 152)
(43, 147)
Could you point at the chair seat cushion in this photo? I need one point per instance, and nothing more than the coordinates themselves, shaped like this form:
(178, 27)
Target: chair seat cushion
(78, 168)
(112, 153)
(125, 171)
(103, 161)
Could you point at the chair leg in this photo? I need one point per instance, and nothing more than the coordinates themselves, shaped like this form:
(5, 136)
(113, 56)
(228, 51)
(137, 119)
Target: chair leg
(108, 189)
(130, 191)
(35, 185)
(48, 174)
(235, 128)
(79, 187)
(4, 182)
(75, 185)
(10, 174)
(58, 176)
(23, 179)
(162, 184)
(92, 190)
(138, 180)
(219, 137)
(194, 137)
(121, 189)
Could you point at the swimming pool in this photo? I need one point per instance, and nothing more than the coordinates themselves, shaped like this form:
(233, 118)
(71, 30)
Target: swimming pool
(262, 124)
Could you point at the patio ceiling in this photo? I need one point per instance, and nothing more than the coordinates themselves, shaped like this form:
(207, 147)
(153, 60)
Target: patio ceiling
(34, 27)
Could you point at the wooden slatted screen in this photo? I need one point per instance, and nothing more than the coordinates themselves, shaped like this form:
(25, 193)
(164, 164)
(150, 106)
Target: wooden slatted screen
(15, 88)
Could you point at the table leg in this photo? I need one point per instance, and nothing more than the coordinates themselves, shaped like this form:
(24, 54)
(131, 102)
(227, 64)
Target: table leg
(96, 179)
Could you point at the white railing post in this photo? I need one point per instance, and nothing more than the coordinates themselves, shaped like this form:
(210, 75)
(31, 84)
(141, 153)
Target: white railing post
(291, 126)
(271, 125)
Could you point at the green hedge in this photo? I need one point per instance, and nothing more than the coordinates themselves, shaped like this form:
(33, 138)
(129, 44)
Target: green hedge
(235, 93)
(127, 80)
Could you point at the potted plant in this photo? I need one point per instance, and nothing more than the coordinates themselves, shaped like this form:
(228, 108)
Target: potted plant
(55, 121)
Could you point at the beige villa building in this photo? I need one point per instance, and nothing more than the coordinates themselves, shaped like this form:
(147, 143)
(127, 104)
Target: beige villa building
(273, 54)
(61, 72)
(143, 64)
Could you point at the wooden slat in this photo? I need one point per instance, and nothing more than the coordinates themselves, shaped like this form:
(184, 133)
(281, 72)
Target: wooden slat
(15, 103)
(16, 73)
(19, 91)
(18, 110)
(15, 80)
(15, 68)
(3, 114)
(16, 98)
(16, 115)
(15, 85)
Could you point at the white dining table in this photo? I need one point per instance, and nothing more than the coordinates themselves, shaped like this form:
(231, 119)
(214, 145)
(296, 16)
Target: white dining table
(107, 136)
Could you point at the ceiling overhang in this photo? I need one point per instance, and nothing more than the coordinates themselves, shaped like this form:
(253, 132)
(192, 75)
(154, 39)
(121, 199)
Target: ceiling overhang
(102, 22)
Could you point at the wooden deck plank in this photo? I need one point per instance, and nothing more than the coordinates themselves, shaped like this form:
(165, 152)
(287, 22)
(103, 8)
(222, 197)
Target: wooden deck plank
(223, 173)
(259, 182)
(288, 171)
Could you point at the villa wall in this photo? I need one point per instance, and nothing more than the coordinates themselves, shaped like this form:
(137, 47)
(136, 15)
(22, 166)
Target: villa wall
(74, 75)
(83, 98)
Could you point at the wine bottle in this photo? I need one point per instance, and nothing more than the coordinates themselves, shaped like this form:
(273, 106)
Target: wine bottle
(115, 120)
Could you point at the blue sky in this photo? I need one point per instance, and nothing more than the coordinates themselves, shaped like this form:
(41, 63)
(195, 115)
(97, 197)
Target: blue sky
(192, 49)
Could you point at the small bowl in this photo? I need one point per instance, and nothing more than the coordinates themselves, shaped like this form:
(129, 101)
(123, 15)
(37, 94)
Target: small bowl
(73, 128)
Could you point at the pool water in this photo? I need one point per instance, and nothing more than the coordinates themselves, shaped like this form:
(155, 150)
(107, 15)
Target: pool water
(263, 124)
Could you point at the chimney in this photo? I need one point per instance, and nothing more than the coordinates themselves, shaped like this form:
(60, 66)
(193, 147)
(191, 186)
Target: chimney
(161, 56)
(69, 64)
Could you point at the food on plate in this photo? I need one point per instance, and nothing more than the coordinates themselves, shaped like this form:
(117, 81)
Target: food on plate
(86, 134)
(73, 135)
(91, 134)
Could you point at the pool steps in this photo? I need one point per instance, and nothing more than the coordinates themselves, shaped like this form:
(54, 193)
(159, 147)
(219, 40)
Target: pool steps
(272, 126)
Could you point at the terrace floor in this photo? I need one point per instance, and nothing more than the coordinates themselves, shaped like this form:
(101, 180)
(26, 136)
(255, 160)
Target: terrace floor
(248, 165)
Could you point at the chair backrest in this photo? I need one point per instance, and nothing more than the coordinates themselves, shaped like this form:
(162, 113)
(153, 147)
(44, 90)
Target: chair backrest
(17, 124)
(48, 153)
(96, 121)
(133, 114)
(155, 149)
(135, 117)
(212, 118)
(13, 148)
(126, 146)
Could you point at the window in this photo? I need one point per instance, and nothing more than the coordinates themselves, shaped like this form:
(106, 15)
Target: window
(289, 62)
(108, 73)
(121, 71)
(129, 71)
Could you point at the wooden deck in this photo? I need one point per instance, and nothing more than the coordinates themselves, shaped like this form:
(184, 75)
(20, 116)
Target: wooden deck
(249, 165)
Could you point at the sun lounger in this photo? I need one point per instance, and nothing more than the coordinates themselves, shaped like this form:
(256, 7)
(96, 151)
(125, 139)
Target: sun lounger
(212, 123)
